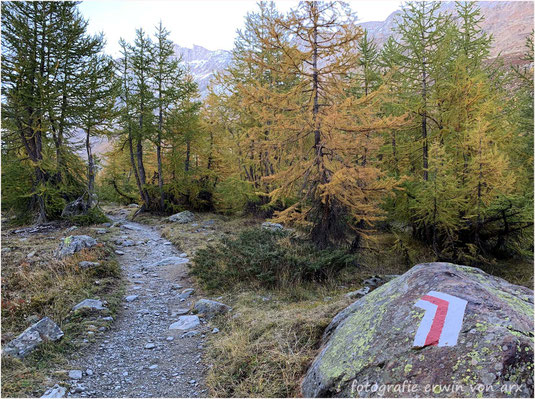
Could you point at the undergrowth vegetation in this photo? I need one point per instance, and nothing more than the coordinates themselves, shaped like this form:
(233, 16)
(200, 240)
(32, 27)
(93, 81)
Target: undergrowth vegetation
(92, 216)
(36, 284)
(267, 258)
(266, 347)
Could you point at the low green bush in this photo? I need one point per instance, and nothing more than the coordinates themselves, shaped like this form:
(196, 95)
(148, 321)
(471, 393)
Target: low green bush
(268, 259)
(93, 216)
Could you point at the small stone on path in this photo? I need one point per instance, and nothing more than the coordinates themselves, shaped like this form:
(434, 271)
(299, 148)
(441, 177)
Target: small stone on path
(75, 374)
(185, 323)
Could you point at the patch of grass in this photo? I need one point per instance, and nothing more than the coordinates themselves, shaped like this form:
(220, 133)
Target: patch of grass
(267, 258)
(193, 236)
(266, 346)
(41, 285)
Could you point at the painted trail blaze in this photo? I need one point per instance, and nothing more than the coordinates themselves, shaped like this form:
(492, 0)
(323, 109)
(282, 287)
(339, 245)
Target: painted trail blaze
(442, 320)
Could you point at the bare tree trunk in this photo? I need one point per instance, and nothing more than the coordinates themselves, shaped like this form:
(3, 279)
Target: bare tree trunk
(90, 170)
(424, 121)
(159, 152)
(134, 168)
(187, 162)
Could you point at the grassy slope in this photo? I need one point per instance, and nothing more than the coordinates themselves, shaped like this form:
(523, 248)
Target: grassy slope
(268, 341)
(44, 286)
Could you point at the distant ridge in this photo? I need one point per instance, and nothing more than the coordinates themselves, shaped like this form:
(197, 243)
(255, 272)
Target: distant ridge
(509, 22)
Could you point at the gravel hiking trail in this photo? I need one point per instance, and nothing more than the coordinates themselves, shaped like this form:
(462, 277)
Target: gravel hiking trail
(140, 356)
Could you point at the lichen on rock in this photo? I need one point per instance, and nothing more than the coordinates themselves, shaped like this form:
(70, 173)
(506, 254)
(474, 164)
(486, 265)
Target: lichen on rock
(371, 341)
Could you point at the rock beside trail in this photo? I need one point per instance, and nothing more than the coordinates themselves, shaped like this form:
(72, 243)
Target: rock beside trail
(90, 304)
(272, 226)
(185, 323)
(182, 217)
(87, 265)
(75, 374)
(186, 293)
(73, 244)
(42, 331)
(210, 308)
(76, 207)
(55, 392)
(475, 329)
(358, 293)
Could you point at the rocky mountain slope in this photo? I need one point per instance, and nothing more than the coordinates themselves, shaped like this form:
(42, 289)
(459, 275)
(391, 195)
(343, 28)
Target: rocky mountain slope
(203, 63)
(508, 21)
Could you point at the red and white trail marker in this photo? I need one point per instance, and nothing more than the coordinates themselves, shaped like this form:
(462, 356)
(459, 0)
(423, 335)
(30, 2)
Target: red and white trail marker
(442, 320)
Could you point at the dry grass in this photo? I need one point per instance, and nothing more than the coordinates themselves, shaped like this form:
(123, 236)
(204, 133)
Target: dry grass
(266, 346)
(192, 236)
(41, 285)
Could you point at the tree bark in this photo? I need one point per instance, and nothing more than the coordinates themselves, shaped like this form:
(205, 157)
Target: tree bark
(187, 162)
(159, 150)
(90, 170)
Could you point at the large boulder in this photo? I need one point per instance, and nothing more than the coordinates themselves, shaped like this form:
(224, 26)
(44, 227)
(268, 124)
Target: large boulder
(210, 308)
(42, 331)
(182, 217)
(436, 328)
(72, 244)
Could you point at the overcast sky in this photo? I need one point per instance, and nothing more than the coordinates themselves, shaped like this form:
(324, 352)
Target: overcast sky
(208, 23)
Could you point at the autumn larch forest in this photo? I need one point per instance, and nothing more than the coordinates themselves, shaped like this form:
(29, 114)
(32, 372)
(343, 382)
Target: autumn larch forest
(313, 126)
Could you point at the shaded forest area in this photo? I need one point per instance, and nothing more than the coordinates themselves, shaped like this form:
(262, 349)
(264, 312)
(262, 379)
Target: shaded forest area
(313, 126)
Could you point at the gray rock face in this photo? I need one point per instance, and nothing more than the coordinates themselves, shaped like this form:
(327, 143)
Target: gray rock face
(55, 392)
(272, 226)
(438, 323)
(87, 265)
(182, 217)
(185, 323)
(73, 244)
(173, 260)
(91, 304)
(210, 308)
(133, 206)
(44, 330)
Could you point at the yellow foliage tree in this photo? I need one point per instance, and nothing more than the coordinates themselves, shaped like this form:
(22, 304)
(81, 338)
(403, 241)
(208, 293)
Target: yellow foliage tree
(327, 136)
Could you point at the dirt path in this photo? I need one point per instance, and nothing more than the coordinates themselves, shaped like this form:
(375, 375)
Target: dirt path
(140, 356)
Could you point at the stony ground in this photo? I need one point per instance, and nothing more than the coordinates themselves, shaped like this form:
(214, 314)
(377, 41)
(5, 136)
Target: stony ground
(140, 356)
